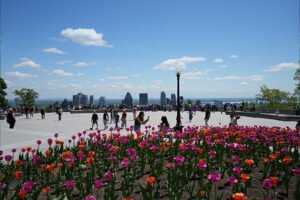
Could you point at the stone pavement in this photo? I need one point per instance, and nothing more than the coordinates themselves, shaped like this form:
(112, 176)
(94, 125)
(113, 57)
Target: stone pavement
(28, 131)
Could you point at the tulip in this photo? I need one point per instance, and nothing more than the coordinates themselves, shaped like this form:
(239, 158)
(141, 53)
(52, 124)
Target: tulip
(70, 184)
(267, 183)
(90, 197)
(179, 160)
(39, 142)
(109, 176)
(98, 184)
(170, 166)
(232, 180)
(125, 162)
(239, 196)
(151, 180)
(2, 186)
(214, 177)
(8, 158)
(28, 186)
(202, 164)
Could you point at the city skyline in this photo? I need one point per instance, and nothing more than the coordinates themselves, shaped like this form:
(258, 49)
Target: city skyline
(224, 49)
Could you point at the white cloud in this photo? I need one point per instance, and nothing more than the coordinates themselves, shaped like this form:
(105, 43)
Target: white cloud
(117, 77)
(256, 77)
(19, 75)
(195, 75)
(26, 62)
(64, 62)
(172, 64)
(101, 79)
(74, 85)
(85, 37)
(233, 77)
(60, 72)
(234, 56)
(108, 69)
(135, 75)
(54, 50)
(83, 64)
(218, 60)
(80, 74)
(282, 66)
(244, 83)
(223, 66)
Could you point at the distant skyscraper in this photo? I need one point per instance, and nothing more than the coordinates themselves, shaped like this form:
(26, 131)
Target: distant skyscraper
(173, 99)
(102, 101)
(91, 100)
(168, 101)
(128, 99)
(143, 98)
(80, 99)
(163, 100)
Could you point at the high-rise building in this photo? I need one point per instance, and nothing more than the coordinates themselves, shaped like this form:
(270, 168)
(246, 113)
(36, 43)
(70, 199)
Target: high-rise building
(91, 100)
(128, 99)
(80, 99)
(173, 99)
(102, 101)
(168, 101)
(143, 98)
(163, 100)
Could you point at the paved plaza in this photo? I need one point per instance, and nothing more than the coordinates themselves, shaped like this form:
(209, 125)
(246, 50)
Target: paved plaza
(28, 131)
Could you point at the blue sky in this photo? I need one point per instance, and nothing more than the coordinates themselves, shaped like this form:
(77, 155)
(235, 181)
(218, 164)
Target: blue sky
(106, 48)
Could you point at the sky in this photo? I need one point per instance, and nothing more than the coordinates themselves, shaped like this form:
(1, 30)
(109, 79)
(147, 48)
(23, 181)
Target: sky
(107, 48)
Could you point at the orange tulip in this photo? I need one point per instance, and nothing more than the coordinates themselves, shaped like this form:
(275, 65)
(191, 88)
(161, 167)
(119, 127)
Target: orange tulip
(92, 153)
(22, 194)
(48, 152)
(151, 180)
(128, 198)
(245, 177)
(66, 154)
(90, 160)
(266, 160)
(239, 196)
(47, 189)
(202, 193)
(274, 180)
(287, 160)
(18, 174)
(249, 162)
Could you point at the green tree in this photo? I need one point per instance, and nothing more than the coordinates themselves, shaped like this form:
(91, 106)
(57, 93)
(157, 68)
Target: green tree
(26, 97)
(297, 79)
(272, 95)
(3, 100)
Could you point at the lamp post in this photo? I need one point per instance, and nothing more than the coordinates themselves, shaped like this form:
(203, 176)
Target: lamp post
(178, 118)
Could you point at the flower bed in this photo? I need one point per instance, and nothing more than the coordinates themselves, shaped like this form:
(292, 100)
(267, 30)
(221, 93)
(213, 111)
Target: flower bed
(200, 163)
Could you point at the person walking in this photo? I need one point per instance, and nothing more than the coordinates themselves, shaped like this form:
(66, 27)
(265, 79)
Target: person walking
(10, 118)
(31, 110)
(105, 119)
(42, 113)
(233, 117)
(190, 115)
(94, 120)
(111, 115)
(117, 118)
(139, 121)
(123, 119)
(207, 115)
(26, 110)
(59, 112)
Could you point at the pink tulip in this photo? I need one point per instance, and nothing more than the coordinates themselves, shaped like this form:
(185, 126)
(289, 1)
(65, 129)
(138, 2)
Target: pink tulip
(179, 160)
(98, 184)
(214, 177)
(267, 183)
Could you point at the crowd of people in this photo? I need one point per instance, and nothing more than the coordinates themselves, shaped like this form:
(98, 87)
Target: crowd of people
(111, 114)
